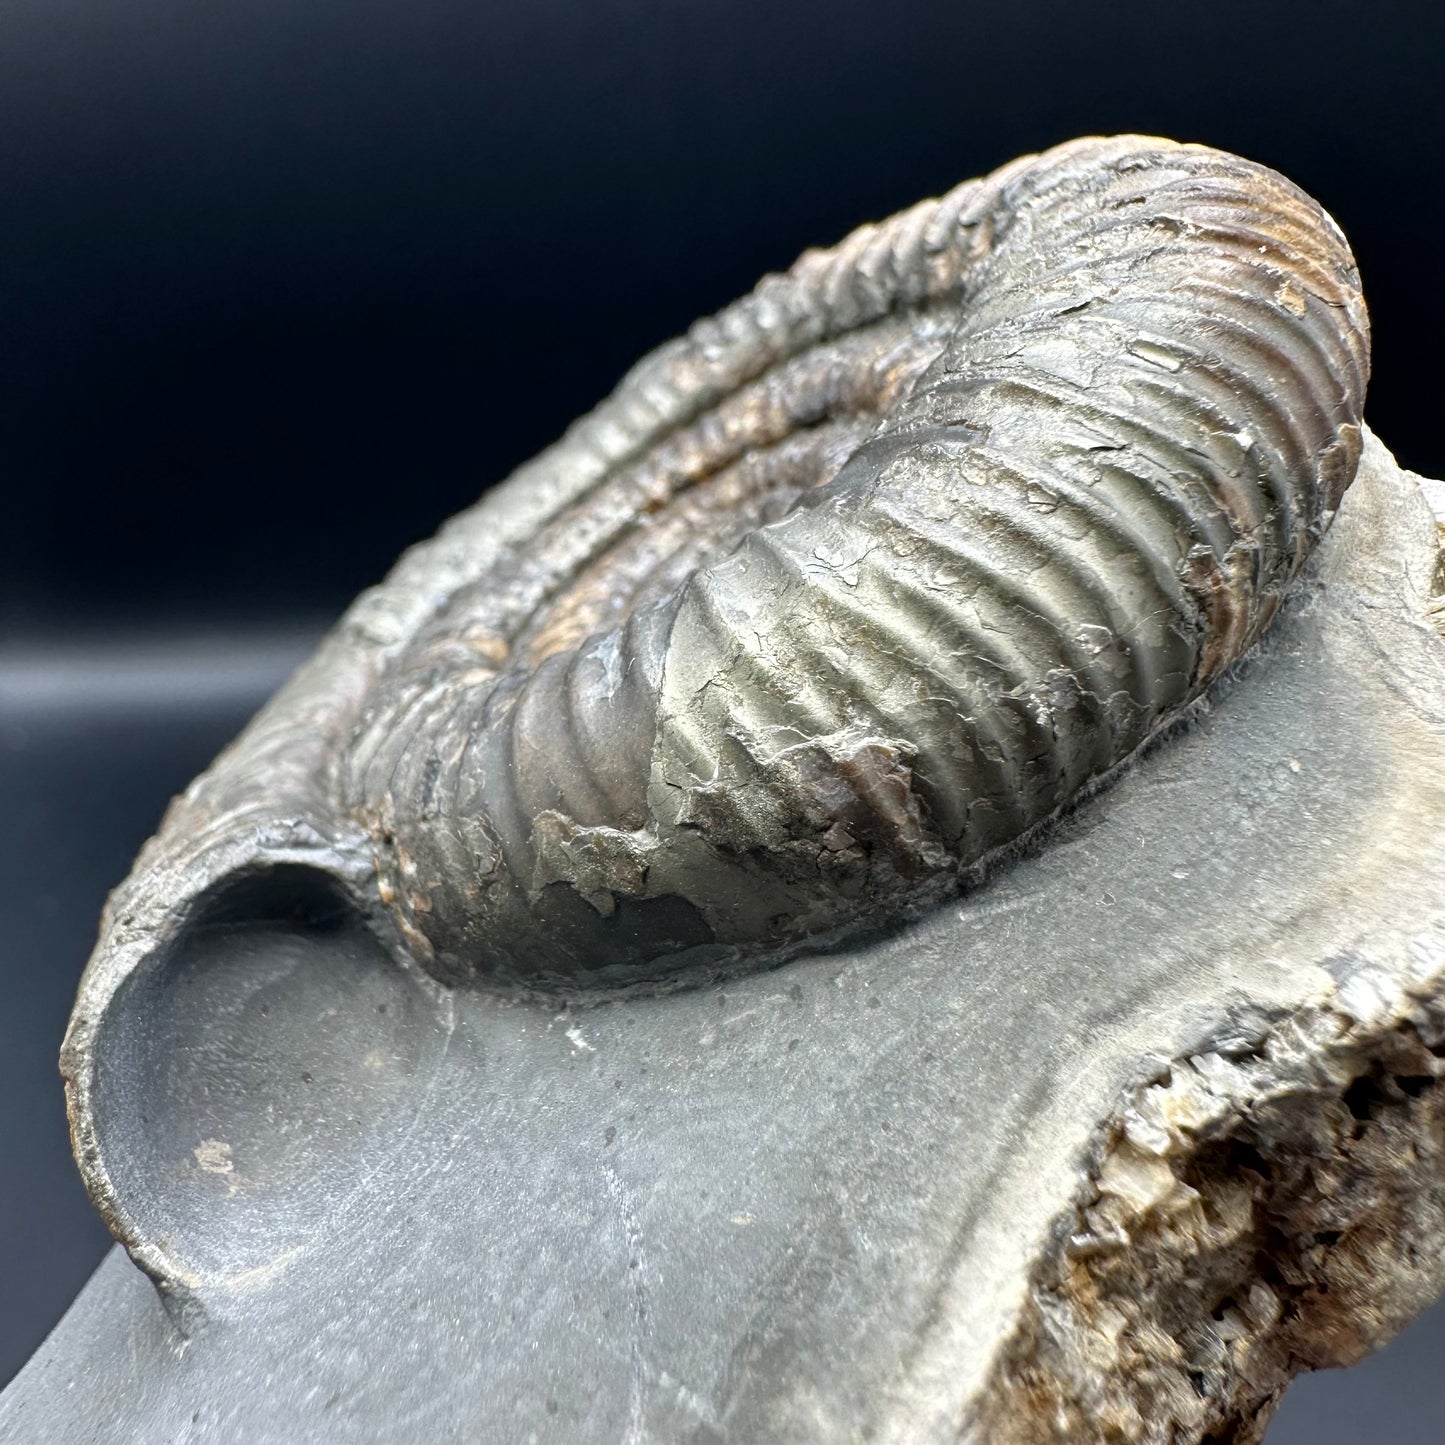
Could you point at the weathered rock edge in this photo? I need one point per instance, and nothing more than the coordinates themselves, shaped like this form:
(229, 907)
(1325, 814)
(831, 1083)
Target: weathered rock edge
(1248, 1216)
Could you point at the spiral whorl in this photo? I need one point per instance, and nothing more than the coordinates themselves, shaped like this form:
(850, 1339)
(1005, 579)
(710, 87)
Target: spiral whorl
(870, 574)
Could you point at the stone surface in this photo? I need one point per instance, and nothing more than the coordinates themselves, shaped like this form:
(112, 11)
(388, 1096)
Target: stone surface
(1116, 1141)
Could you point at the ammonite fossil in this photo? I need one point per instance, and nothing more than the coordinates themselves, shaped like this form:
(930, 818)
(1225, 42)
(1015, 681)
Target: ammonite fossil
(837, 596)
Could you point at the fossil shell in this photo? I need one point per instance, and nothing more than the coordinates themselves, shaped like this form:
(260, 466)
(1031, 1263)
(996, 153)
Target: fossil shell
(838, 595)
(875, 570)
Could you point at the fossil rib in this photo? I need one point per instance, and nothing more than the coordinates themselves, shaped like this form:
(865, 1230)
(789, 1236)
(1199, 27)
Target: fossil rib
(882, 565)
(847, 589)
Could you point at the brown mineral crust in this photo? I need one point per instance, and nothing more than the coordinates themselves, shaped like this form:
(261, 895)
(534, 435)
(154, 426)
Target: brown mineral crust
(1248, 1217)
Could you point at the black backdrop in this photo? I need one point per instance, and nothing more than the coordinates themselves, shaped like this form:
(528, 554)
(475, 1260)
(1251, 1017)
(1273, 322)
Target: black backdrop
(285, 282)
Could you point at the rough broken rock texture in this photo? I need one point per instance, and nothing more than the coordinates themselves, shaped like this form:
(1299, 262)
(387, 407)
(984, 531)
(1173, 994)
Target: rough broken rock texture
(1103, 1152)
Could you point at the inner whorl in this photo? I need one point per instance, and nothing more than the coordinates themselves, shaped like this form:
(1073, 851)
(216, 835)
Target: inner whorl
(880, 567)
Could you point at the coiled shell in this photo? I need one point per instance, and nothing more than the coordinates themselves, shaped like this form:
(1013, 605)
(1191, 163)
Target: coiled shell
(836, 596)
(876, 570)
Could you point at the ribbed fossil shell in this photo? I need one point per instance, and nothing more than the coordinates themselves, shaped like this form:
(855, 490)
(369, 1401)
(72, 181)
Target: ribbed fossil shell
(878, 568)
(849, 588)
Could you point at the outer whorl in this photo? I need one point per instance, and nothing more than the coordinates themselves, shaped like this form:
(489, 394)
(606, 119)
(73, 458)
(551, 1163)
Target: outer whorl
(837, 595)
(870, 573)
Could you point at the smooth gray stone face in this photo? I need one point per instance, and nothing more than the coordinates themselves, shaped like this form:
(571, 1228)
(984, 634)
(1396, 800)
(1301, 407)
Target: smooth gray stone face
(800, 1206)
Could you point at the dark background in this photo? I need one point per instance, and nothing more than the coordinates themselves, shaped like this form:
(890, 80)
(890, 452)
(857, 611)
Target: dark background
(285, 282)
